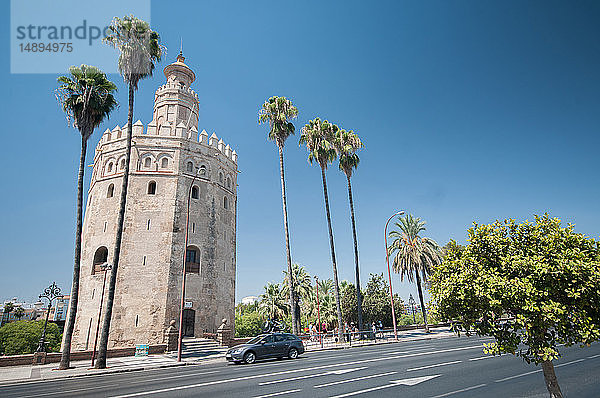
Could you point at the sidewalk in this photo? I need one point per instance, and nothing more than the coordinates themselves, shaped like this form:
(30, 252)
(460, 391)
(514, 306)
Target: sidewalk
(13, 374)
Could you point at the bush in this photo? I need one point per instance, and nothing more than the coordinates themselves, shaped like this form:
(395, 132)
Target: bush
(22, 337)
(249, 324)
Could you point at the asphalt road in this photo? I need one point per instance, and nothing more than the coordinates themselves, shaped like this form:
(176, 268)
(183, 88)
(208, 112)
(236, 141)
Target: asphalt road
(449, 367)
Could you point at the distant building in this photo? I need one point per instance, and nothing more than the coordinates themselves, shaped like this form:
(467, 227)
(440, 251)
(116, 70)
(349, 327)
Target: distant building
(59, 311)
(249, 300)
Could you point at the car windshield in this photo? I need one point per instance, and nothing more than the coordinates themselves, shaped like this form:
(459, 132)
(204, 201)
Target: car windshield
(255, 340)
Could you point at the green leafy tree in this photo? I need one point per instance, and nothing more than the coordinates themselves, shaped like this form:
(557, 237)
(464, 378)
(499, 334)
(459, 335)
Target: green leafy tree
(272, 302)
(87, 97)
(541, 278)
(278, 111)
(319, 137)
(376, 305)
(22, 337)
(140, 49)
(303, 290)
(413, 255)
(347, 144)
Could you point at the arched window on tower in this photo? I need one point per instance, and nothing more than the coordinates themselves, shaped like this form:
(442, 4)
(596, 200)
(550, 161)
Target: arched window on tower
(192, 260)
(151, 188)
(225, 202)
(122, 164)
(100, 258)
(190, 167)
(228, 182)
(110, 191)
(110, 166)
(147, 162)
(195, 192)
(164, 163)
(203, 170)
(220, 177)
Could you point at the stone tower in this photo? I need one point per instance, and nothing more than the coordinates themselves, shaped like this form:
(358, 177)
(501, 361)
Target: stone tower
(165, 158)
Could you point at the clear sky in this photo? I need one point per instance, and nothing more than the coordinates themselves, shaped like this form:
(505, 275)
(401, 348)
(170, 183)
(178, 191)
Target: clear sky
(469, 110)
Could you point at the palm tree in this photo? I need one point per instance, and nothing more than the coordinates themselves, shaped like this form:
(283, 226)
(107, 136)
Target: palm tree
(278, 111)
(413, 254)
(302, 289)
(86, 96)
(325, 286)
(347, 144)
(8, 308)
(19, 313)
(319, 137)
(140, 48)
(272, 302)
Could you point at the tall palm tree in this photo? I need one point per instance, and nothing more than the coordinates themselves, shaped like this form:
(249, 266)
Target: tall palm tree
(319, 136)
(414, 255)
(140, 49)
(278, 111)
(272, 302)
(325, 286)
(86, 96)
(347, 144)
(302, 288)
(8, 308)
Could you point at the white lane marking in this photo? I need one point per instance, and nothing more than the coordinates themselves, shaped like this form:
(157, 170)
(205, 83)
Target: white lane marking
(173, 377)
(568, 363)
(414, 381)
(364, 391)
(539, 370)
(515, 376)
(69, 391)
(486, 357)
(332, 372)
(459, 391)
(594, 356)
(393, 383)
(293, 371)
(278, 393)
(355, 379)
(433, 366)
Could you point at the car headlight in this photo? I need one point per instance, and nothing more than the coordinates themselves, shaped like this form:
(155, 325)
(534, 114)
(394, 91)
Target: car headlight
(237, 350)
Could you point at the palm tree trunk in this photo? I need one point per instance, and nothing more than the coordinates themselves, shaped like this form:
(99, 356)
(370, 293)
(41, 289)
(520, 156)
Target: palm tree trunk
(287, 243)
(423, 311)
(102, 347)
(65, 358)
(551, 381)
(335, 273)
(358, 293)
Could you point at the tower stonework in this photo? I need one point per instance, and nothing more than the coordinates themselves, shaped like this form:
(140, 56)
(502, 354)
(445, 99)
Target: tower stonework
(165, 157)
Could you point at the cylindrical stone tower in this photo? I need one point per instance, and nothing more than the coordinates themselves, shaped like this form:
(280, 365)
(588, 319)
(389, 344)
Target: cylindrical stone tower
(164, 160)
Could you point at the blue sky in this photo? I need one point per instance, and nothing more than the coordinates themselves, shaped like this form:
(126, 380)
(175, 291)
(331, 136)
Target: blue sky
(470, 111)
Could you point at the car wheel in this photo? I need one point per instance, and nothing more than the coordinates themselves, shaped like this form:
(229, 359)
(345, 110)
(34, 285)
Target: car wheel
(293, 353)
(249, 357)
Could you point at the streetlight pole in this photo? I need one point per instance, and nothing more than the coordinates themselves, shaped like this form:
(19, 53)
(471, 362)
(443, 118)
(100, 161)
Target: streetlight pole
(187, 225)
(105, 267)
(411, 302)
(51, 293)
(387, 259)
(318, 312)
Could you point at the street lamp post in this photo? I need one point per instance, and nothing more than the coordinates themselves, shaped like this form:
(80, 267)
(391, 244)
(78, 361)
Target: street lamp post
(104, 267)
(387, 259)
(411, 302)
(187, 225)
(51, 293)
(318, 312)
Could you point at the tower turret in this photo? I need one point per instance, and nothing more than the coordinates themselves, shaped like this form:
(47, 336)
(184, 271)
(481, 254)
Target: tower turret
(175, 102)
